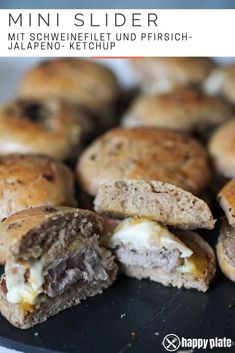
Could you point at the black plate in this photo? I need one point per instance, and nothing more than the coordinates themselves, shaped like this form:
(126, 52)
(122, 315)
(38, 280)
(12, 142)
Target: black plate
(132, 316)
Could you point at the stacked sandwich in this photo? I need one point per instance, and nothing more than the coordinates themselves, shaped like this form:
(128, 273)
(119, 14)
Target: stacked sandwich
(53, 260)
(153, 238)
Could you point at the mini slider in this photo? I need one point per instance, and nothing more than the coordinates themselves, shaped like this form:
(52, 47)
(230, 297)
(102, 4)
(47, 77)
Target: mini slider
(53, 261)
(142, 243)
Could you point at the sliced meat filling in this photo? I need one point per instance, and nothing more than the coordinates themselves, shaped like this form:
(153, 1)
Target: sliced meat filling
(167, 259)
(3, 284)
(85, 265)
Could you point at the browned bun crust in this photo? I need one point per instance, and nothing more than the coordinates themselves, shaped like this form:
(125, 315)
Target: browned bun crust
(226, 199)
(32, 232)
(48, 127)
(78, 81)
(229, 83)
(29, 181)
(222, 149)
(184, 110)
(148, 154)
(162, 202)
(164, 74)
(225, 250)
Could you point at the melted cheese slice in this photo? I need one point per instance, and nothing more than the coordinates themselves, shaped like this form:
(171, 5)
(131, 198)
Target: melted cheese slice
(18, 290)
(142, 233)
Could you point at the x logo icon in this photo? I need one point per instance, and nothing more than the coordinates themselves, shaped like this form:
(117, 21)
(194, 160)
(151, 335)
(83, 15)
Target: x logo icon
(171, 342)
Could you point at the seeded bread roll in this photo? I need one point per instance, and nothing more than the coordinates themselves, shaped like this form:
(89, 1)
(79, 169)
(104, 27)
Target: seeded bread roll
(222, 149)
(28, 181)
(226, 199)
(222, 81)
(60, 247)
(176, 278)
(166, 74)
(141, 240)
(78, 81)
(48, 127)
(184, 110)
(226, 250)
(155, 200)
(147, 154)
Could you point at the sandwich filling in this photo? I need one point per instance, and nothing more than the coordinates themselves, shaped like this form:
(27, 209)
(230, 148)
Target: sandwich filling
(25, 280)
(146, 243)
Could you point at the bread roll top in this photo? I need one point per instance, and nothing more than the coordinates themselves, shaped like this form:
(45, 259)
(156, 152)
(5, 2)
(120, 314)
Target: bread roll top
(51, 230)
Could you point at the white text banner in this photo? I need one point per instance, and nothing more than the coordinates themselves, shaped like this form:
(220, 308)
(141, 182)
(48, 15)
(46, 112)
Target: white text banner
(117, 33)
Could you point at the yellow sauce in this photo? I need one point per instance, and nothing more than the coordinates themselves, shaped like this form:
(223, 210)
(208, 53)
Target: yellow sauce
(197, 264)
(198, 261)
(137, 220)
(26, 307)
(75, 245)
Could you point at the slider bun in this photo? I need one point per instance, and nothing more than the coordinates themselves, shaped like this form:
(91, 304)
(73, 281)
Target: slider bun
(229, 83)
(31, 232)
(226, 199)
(78, 81)
(184, 110)
(164, 74)
(222, 149)
(148, 154)
(28, 181)
(48, 127)
(175, 278)
(225, 250)
(165, 203)
(51, 306)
